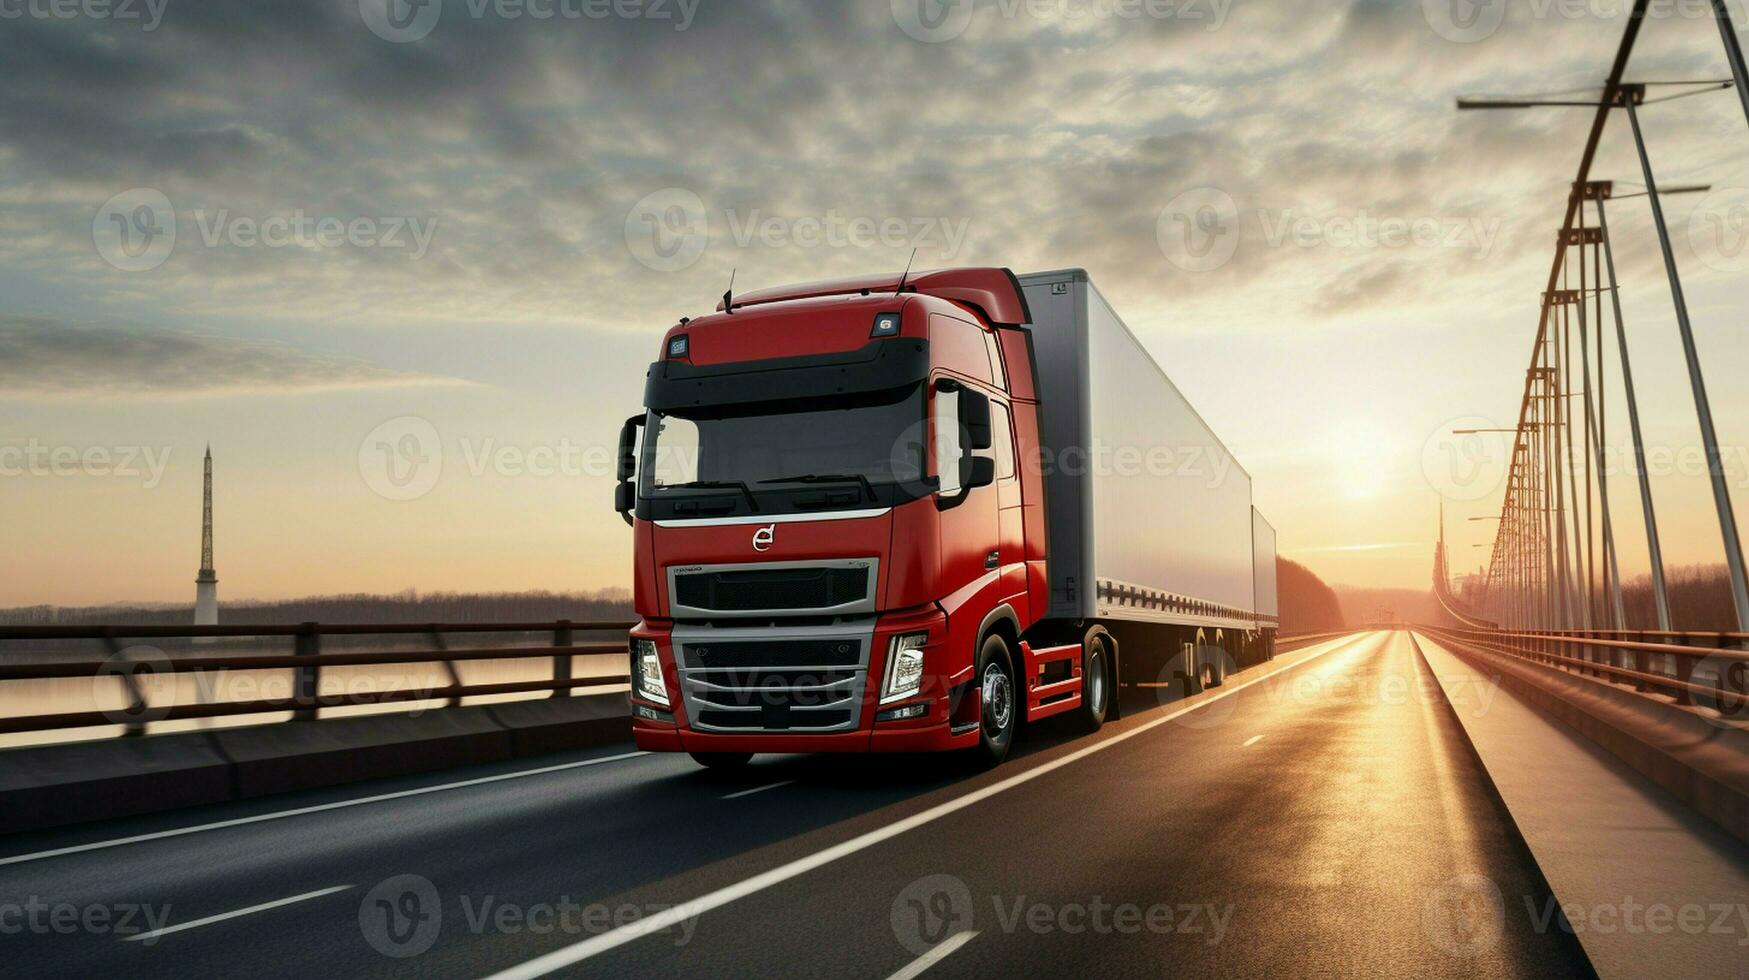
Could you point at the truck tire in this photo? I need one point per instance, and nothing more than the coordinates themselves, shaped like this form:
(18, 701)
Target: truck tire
(1193, 666)
(1095, 682)
(999, 708)
(721, 760)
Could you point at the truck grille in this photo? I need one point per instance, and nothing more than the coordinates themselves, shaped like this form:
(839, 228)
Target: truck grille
(774, 588)
(729, 655)
(806, 679)
(774, 718)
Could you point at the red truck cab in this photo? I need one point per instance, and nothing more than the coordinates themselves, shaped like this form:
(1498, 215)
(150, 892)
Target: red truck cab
(839, 526)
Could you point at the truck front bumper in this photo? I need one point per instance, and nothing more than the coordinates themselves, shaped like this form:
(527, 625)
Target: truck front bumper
(886, 737)
(667, 729)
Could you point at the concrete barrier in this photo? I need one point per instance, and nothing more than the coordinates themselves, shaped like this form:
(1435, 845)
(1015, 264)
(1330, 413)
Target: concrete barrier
(57, 785)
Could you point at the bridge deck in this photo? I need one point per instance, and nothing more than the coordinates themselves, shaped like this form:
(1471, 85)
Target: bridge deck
(1328, 819)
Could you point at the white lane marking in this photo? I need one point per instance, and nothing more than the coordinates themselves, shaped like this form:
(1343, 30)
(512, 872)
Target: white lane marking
(759, 789)
(941, 952)
(146, 937)
(1253, 740)
(675, 915)
(301, 811)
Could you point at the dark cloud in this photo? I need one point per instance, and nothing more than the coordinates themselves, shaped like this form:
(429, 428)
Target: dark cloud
(529, 141)
(45, 358)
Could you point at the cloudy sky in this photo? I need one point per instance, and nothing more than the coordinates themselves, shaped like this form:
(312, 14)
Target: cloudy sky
(338, 238)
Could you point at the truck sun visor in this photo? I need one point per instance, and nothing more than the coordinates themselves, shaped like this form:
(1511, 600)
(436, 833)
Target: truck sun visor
(878, 366)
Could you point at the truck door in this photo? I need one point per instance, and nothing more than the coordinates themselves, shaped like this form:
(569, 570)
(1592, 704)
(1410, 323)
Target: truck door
(1011, 533)
(971, 537)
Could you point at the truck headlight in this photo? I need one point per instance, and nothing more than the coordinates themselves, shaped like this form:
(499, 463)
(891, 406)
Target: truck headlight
(647, 672)
(904, 667)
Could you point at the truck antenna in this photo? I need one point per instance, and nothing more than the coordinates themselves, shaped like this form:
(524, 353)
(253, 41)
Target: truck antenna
(729, 295)
(907, 275)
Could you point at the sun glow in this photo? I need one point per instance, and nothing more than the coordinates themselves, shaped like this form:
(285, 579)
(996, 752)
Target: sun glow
(1355, 452)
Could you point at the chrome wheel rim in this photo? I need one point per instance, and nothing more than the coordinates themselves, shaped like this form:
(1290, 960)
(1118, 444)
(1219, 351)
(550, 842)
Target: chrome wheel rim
(998, 699)
(1096, 678)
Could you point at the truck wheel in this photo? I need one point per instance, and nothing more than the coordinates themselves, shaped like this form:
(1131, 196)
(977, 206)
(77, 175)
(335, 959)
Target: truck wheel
(999, 712)
(1095, 682)
(1193, 669)
(721, 760)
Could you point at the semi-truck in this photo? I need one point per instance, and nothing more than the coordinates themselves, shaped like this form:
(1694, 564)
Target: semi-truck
(918, 512)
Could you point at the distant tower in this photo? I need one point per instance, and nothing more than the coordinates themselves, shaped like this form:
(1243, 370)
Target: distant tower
(206, 583)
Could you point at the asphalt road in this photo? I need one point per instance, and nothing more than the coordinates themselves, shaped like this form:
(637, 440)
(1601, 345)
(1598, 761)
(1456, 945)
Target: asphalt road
(1326, 819)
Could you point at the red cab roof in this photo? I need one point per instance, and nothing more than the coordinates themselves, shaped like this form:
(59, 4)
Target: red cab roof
(992, 291)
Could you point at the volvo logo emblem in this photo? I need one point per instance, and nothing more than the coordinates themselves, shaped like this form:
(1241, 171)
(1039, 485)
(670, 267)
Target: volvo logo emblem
(764, 537)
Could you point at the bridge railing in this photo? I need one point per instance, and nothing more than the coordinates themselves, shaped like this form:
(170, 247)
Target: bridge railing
(1709, 668)
(1298, 640)
(128, 667)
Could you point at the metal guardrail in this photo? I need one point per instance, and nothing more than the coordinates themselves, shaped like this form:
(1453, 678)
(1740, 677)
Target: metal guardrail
(1313, 637)
(1689, 638)
(1607, 655)
(307, 661)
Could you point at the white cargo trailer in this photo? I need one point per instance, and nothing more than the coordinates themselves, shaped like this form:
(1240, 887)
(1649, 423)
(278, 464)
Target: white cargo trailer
(1149, 516)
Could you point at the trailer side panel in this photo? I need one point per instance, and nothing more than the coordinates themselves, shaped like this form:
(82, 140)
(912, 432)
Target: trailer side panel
(1150, 516)
(1263, 543)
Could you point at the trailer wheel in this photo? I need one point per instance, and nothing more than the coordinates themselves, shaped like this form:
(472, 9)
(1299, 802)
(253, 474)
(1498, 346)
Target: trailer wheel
(1196, 668)
(999, 710)
(721, 760)
(1095, 682)
(1217, 671)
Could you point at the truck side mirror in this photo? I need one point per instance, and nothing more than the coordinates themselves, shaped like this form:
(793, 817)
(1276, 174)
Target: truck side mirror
(975, 416)
(627, 467)
(980, 472)
(625, 493)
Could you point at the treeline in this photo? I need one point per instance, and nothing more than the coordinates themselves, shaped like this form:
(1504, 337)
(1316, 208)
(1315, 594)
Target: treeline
(1307, 604)
(404, 607)
(1700, 599)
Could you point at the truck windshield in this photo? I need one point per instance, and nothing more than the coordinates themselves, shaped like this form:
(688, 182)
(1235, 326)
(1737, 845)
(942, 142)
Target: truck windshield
(862, 442)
